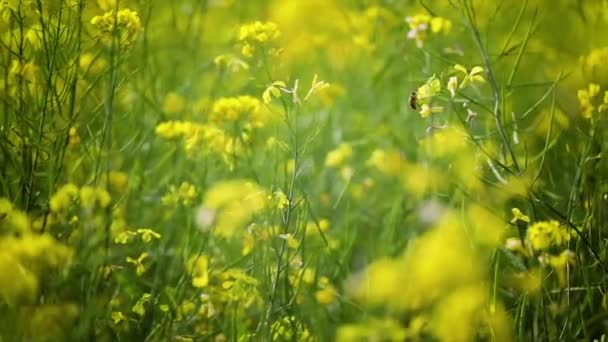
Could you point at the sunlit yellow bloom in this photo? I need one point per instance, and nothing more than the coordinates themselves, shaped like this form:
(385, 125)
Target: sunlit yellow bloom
(586, 97)
(198, 267)
(121, 28)
(231, 204)
(257, 34)
(427, 91)
(124, 237)
(470, 76)
(545, 234)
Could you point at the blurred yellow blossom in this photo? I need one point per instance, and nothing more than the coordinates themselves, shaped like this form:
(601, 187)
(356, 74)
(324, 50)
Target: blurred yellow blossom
(121, 27)
(173, 103)
(232, 204)
(420, 25)
(198, 266)
(338, 156)
(545, 234)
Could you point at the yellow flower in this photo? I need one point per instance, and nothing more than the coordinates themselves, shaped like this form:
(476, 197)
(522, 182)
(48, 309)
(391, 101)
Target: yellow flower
(257, 34)
(63, 198)
(124, 237)
(230, 62)
(291, 241)
(118, 317)
(90, 196)
(147, 234)
(139, 307)
(519, 216)
(428, 90)
(585, 99)
(273, 90)
(140, 268)
(452, 85)
(122, 27)
(470, 76)
(231, 205)
(280, 199)
(545, 234)
(426, 110)
(198, 267)
(327, 293)
(338, 156)
(419, 27)
(118, 180)
(173, 103)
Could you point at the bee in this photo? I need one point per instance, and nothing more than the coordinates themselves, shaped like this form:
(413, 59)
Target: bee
(413, 100)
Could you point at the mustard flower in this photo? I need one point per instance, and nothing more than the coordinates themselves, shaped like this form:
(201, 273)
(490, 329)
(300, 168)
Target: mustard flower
(257, 34)
(519, 216)
(586, 97)
(173, 103)
(421, 25)
(64, 197)
(139, 307)
(273, 90)
(428, 90)
(118, 317)
(147, 234)
(230, 205)
(122, 27)
(230, 62)
(545, 234)
(470, 76)
(280, 199)
(124, 237)
(338, 156)
(426, 110)
(140, 268)
(198, 267)
(291, 241)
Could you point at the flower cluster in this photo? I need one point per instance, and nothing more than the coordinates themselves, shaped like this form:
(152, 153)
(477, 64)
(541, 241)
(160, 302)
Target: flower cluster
(120, 28)
(257, 37)
(587, 100)
(421, 25)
